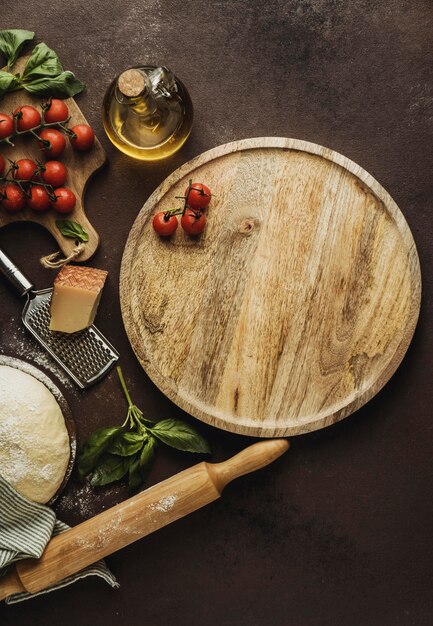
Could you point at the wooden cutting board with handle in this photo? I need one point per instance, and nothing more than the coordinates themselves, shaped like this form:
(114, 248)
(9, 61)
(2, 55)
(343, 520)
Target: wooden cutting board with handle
(294, 307)
(80, 165)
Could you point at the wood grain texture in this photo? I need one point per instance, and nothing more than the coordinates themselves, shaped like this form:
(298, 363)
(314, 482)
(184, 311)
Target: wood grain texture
(121, 525)
(295, 306)
(81, 166)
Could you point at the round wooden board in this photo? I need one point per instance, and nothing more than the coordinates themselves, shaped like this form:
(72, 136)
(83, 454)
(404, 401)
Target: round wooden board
(294, 307)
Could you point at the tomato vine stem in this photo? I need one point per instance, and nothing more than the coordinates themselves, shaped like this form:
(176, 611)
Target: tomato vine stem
(30, 183)
(33, 131)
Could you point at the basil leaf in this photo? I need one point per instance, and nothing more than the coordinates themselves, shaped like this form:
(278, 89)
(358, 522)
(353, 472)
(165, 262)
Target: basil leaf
(8, 82)
(68, 228)
(64, 85)
(12, 42)
(127, 444)
(134, 477)
(147, 457)
(43, 62)
(94, 447)
(180, 435)
(111, 468)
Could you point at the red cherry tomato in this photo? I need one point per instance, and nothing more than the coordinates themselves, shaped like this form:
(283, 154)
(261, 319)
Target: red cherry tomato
(6, 125)
(56, 140)
(2, 164)
(25, 170)
(27, 117)
(13, 198)
(84, 137)
(198, 196)
(164, 225)
(193, 222)
(54, 173)
(39, 199)
(56, 111)
(65, 200)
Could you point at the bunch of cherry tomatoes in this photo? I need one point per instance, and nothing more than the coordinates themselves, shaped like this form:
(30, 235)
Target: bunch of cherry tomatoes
(35, 185)
(193, 221)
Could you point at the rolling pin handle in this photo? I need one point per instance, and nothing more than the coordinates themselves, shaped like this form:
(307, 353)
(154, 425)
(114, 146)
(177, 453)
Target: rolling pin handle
(252, 458)
(10, 583)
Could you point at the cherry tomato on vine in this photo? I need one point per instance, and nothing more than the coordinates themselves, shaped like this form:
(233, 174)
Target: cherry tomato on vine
(6, 125)
(56, 111)
(165, 225)
(198, 196)
(2, 164)
(39, 199)
(27, 117)
(84, 137)
(25, 170)
(56, 140)
(54, 173)
(13, 197)
(65, 200)
(193, 222)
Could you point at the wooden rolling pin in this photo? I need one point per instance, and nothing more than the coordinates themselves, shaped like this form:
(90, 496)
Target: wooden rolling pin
(135, 518)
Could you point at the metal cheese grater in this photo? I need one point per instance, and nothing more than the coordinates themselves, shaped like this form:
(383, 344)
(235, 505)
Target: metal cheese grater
(86, 356)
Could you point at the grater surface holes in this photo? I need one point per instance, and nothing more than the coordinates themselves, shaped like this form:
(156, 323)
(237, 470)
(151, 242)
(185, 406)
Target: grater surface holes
(83, 353)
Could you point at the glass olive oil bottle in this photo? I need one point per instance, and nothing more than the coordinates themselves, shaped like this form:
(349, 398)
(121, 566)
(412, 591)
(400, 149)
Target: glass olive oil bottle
(147, 113)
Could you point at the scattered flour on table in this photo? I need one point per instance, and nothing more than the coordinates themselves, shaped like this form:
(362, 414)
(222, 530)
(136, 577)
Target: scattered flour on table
(23, 345)
(84, 500)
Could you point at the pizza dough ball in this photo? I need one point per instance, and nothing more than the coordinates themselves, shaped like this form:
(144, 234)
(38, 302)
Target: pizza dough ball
(34, 441)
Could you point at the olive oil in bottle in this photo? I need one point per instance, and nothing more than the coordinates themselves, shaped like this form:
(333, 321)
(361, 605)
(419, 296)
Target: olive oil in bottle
(147, 113)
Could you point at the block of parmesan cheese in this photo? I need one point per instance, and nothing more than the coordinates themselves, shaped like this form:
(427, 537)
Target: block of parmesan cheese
(76, 294)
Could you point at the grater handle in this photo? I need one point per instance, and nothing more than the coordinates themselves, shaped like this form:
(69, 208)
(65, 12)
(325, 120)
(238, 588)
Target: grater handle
(14, 276)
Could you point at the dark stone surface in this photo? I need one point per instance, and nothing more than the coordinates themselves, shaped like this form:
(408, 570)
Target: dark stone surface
(338, 531)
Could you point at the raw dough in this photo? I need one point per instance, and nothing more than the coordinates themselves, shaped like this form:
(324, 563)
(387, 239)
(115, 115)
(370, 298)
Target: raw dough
(34, 441)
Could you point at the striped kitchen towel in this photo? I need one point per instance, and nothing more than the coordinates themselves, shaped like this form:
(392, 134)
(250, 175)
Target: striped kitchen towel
(25, 529)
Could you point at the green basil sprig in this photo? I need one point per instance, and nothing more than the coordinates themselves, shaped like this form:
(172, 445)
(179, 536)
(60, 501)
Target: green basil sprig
(43, 74)
(42, 63)
(71, 229)
(111, 453)
(94, 448)
(8, 82)
(63, 85)
(12, 42)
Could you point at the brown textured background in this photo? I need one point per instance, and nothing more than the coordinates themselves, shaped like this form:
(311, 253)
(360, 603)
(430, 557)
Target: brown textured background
(338, 531)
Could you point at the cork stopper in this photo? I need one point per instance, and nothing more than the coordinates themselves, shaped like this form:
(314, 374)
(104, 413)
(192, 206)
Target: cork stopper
(131, 83)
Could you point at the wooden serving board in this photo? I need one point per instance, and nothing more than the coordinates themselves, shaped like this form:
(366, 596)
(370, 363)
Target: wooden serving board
(294, 307)
(80, 165)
